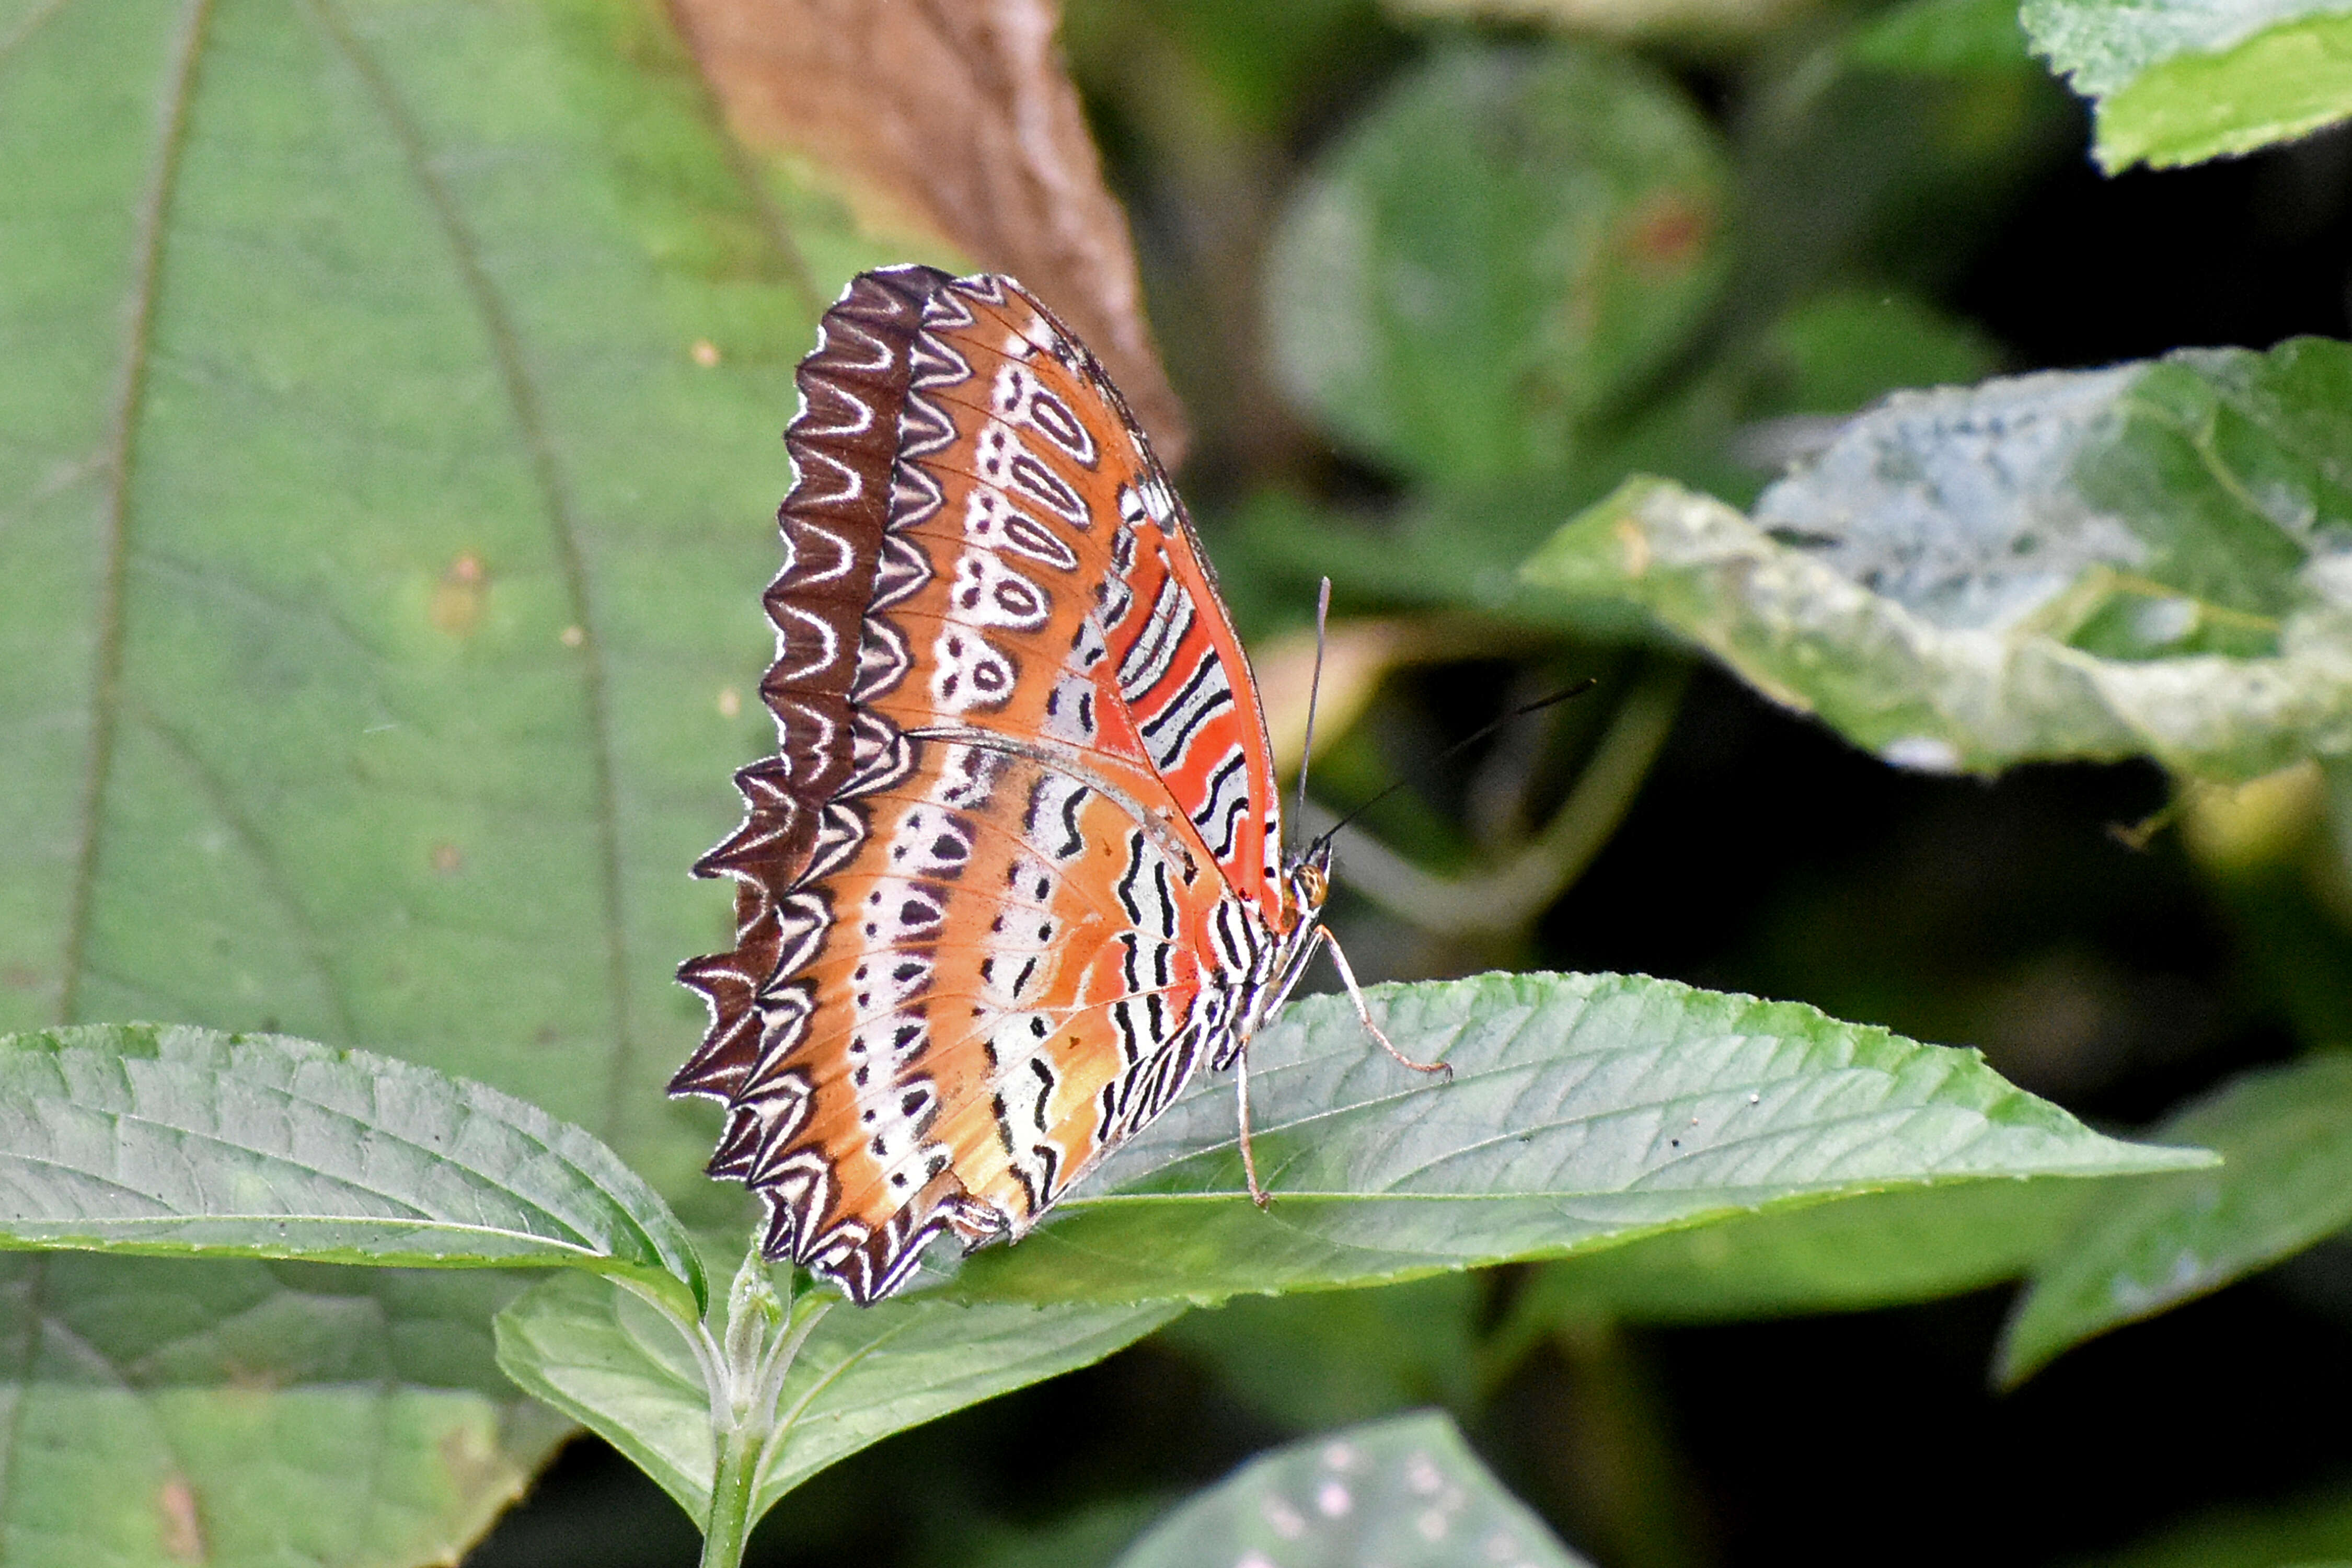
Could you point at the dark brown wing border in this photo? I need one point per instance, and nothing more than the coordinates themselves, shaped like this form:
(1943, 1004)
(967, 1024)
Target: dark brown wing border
(844, 444)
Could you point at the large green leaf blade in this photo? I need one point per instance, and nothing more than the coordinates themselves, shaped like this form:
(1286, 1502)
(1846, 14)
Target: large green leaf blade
(1406, 1492)
(2148, 1245)
(175, 1140)
(611, 1361)
(392, 542)
(2154, 559)
(380, 627)
(365, 1424)
(1584, 1110)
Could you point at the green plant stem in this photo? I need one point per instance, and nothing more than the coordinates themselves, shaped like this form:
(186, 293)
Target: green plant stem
(1508, 896)
(732, 1481)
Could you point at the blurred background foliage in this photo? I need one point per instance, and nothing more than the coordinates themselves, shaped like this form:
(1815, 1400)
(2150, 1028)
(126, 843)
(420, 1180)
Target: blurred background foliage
(1429, 279)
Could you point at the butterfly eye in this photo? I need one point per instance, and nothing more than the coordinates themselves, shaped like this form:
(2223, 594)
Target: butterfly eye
(1312, 885)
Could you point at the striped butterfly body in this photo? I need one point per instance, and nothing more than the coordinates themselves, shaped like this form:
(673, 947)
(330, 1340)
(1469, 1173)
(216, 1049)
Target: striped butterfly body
(1014, 874)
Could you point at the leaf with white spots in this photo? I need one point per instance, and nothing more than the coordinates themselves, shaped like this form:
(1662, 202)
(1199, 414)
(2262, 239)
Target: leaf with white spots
(1402, 1493)
(1584, 1111)
(2154, 559)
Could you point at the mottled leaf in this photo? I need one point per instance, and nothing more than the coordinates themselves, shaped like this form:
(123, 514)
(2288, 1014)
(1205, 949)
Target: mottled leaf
(2178, 82)
(2152, 559)
(1404, 1493)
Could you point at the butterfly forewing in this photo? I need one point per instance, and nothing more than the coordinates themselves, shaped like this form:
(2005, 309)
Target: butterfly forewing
(1018, 846)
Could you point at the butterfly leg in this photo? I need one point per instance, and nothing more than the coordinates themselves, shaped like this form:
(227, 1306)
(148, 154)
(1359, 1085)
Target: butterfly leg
(1258, 1195)
(1364, 1014)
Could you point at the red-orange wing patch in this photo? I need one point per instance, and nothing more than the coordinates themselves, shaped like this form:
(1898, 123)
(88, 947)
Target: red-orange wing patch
(1013, 873)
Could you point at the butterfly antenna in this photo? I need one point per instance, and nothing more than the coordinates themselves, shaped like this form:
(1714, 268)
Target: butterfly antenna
(1314, 689)
(1467, 742)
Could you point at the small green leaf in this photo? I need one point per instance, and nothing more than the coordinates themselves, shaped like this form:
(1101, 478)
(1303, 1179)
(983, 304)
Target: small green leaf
(172, 1141)
(2176, 82)
(1405, 1493)
(2152, 559)
(601, 1356)
(620, 1367)
(1499, 249)
(1584, 1110)
(2148, 1245)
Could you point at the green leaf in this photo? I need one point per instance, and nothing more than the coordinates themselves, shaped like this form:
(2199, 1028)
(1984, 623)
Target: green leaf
(616, 1365)
(1837, 351)
(2314, 1530)
(1406, 1493)
(2151, 559)
(166, 1140)
(247, 1414)
(1875, 1251)
(2176, 83)
(1943, 37)
(2145, 1245)
(1584, 1110)
(1499, 249)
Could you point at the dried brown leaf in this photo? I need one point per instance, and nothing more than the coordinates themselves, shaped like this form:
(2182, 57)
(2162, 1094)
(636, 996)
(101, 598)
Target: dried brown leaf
(955, 115)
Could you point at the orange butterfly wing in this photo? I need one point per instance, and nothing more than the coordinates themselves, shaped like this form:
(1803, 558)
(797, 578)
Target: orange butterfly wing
(1013, 872)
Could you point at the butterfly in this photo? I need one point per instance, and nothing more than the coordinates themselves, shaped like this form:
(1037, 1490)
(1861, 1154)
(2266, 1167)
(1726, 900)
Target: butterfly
(1014, 873)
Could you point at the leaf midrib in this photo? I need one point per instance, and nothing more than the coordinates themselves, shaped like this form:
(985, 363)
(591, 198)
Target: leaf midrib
(523, 404)
(121, 449)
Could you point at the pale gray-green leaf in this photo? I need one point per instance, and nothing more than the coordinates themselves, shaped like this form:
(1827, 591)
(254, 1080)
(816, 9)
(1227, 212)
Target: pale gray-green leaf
(2148, 1244)
(2153, 559)
(1584, 1110)
(1403, 1493)
(163, 1139)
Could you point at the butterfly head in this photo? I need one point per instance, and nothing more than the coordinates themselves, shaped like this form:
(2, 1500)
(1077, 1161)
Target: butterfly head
(1308, 881)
